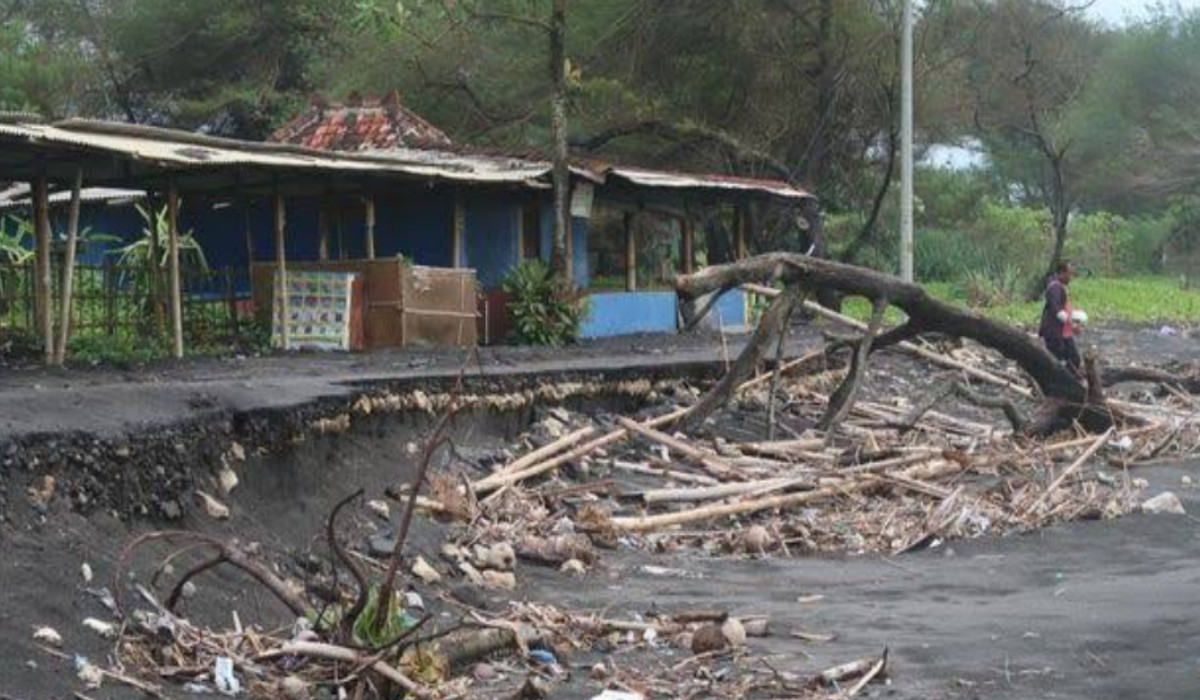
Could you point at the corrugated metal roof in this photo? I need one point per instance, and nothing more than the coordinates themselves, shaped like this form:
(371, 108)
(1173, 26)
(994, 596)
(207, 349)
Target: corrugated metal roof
(659, 178)
(19, 195)
(182, 150)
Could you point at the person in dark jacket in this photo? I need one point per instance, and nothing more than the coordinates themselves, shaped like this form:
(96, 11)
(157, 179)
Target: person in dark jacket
(1057, 329)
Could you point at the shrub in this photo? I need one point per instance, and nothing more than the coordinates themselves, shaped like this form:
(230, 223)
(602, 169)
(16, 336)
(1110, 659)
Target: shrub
(544, 310)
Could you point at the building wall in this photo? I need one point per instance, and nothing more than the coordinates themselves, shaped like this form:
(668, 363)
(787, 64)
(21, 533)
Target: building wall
(627, 313)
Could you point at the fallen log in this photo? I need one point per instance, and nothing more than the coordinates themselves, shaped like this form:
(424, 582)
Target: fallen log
(715, 465)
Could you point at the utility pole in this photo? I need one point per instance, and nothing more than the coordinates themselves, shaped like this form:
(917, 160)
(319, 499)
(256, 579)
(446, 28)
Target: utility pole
(906, 144)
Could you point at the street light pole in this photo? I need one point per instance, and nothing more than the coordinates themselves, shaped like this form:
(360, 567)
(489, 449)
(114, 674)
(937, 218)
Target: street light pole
(906, 144)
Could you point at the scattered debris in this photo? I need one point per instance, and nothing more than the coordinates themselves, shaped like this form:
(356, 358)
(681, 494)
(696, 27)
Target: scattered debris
(48, 635)
(213, 507)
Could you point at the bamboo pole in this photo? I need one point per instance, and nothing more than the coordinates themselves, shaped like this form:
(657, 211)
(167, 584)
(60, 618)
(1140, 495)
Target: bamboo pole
(1087, 454)
(247, 231)
(173, 261)
(630, 252)
(458, 226)
(281, 275)
(68, 281)
(42, 284)
(323, 231)
(544, 452)
(688, 252)
(713, 464)
(649, 523)
(370, 229)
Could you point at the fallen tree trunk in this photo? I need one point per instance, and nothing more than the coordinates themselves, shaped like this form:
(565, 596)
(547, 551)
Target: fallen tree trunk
(1066, 397)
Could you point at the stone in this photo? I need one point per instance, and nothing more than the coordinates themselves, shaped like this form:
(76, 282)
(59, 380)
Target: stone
(237, 452)
(293, 688)
(213, 507)
(483, 672)
(106, 630)
(500, 579)
(422, 570)
(709, 638)
(734, 632)
(756, 540)
(757, 627)
(49, 636)
(381, 546)
(1165, 502)
(574, 567)
(227, 479)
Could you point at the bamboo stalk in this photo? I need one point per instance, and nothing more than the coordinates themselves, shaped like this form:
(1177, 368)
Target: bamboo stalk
(1087, 454)
(68, 282)
(709, 493)
(713, 464)
(43, 283)
(495, 479)
(173, 262)
(647, 523)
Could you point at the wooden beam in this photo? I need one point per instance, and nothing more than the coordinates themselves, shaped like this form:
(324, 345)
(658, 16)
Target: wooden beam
(248, 232)
(630, 253)
(370, 212)
(42, 283)
(176, 279)
(281, 280)
(68, 281)
(688, 245)
(459, 225)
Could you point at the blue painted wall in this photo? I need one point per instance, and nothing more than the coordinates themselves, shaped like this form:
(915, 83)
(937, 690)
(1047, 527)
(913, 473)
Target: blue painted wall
(579, 243)
(491, 237)
(625, 313)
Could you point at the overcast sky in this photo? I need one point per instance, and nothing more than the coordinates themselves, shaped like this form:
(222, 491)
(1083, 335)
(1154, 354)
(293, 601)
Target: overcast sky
(1119, 11)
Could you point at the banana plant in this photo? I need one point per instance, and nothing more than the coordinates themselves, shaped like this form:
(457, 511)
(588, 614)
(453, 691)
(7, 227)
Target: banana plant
(156, 232)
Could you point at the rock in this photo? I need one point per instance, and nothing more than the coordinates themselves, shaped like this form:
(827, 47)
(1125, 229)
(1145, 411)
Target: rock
(573, 567)
(86, 571)
(171, 510)
(756, 540)
(213, 507)
(106, 630)
(598, 672)
(293, 688)
(757, 627)
(499, 556)
(709, 638)
(422, 570)
(91, 676)
(380, 546)
(468, 594)
(1165, 502)
(227, 479)
(500, 579)
(1185, 480)
(48, 636)
(734, 632)
(188, 591)
(380, 509)
(237, 452)
(41, 494)
(483, 672)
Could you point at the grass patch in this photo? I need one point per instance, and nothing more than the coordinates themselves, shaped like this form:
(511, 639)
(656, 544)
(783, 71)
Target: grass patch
(1143, 299)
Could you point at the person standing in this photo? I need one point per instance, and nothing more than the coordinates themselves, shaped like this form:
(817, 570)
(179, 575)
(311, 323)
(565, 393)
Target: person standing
(1057, 329)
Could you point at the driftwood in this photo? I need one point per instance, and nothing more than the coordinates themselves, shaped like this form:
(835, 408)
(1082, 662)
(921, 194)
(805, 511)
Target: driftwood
(1066, 396)
(843, 398)
(333, 652)
(1016, 418)
(712, 463)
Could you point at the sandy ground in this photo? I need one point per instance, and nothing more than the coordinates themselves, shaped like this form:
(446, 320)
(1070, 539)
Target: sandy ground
(1090, 610)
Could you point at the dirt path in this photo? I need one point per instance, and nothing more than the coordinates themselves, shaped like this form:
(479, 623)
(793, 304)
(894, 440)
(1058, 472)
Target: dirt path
(1086, 611)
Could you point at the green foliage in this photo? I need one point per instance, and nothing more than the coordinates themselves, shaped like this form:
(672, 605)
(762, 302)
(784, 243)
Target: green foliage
(544, 310)
(16, 240)
(156, 233)
(121, 350)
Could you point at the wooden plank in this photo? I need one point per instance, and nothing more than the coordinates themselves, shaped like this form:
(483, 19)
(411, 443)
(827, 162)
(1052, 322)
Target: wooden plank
(459, 225)
(173, 261)
(68, 283)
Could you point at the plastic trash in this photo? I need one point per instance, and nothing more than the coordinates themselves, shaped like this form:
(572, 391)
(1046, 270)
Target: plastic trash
(618, 695)
(1168, 331)
(543, 657)
(226, 682)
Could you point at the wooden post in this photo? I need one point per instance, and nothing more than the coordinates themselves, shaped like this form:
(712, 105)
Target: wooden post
(244, 204)
(281, 281)
(741, 224)
(42, 281)
(370, 211)
(173, 261)
(68, 281)
(688, 248)
(323, 230)
(630, 253)
(570, 233)
(459, 226)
